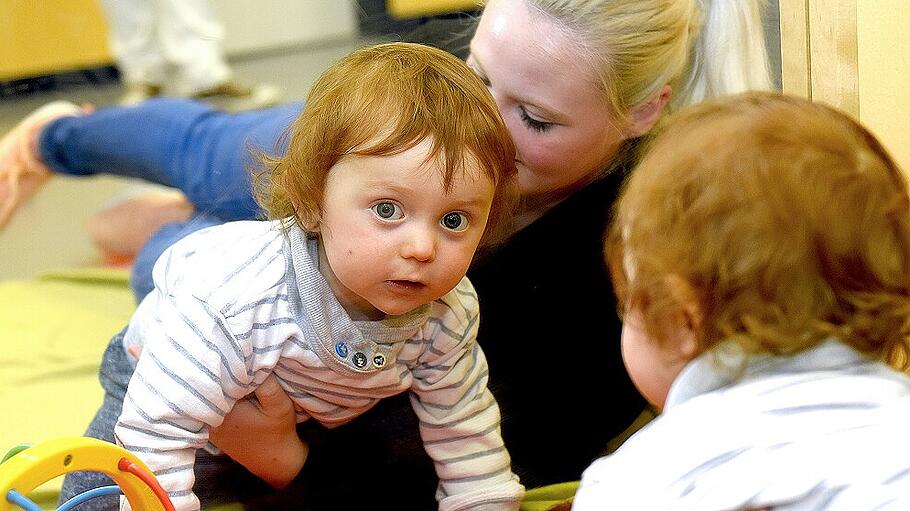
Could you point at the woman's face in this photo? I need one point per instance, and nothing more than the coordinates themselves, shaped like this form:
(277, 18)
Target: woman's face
(559, 119)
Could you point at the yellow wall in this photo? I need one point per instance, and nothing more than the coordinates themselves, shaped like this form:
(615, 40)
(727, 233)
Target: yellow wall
(883, 36)
(414, 8)
(39, 37)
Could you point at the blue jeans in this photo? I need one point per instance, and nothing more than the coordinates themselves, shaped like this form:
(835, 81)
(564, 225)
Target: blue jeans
(188, 145)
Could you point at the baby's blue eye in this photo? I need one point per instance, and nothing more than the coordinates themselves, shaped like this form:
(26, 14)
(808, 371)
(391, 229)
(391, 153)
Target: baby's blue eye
(455, 221)
(387, 210)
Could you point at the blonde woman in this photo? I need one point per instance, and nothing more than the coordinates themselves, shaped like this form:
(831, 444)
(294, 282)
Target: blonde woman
(578, 83)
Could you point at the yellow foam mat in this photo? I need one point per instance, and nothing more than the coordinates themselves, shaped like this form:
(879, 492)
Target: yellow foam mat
(548, 497)
(53, 331)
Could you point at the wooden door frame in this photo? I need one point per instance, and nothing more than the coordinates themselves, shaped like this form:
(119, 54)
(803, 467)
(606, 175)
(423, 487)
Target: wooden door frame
(819, 57)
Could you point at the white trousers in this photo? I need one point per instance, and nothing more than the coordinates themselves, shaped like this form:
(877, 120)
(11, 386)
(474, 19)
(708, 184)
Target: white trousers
(177, 43)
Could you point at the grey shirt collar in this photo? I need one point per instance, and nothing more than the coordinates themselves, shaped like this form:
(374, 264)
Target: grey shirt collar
(343, 344)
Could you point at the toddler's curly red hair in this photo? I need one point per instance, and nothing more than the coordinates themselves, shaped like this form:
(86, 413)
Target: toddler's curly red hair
(788, 220)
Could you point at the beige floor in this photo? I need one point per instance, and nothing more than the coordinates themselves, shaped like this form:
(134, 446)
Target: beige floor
(48, 232)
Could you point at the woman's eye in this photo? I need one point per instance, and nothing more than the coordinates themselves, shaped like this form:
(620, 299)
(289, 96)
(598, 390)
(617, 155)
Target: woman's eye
(483, 78)
(534, 124)
(455, 221)
(387, 210)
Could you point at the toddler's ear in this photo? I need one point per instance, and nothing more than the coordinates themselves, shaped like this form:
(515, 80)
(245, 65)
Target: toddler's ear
(684, 294)
(644, 116)
(309, 224)
(307, 218)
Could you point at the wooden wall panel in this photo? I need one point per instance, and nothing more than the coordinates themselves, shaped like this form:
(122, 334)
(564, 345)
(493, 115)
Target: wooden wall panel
(417, 8)
(833, 60)
(794, 47)
(819, 51)
(884, 73)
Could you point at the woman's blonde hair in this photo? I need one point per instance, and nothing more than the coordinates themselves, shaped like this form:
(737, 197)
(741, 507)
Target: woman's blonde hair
(787, 220)
(383, 100)
(702, 48)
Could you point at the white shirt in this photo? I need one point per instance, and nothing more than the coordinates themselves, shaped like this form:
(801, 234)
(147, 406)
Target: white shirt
(236, 302)
(823, 429)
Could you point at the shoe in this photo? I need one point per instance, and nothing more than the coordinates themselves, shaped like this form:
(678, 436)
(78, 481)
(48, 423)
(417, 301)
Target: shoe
(138, 92)
(235, 96)
(22, 173)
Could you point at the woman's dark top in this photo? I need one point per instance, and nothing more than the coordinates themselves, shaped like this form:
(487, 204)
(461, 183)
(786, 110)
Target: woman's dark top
(550, 329)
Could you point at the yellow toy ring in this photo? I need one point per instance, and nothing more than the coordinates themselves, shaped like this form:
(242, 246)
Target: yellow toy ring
(27, 469)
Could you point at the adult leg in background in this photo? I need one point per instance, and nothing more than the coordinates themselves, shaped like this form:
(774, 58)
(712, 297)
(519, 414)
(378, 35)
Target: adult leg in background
(205, 153)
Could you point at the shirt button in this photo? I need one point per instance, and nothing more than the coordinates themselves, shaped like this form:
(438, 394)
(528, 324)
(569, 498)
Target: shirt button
(341, 349)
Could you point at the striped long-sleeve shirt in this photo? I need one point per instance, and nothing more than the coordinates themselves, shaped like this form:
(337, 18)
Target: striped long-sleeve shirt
(235, 303)
(825, 429)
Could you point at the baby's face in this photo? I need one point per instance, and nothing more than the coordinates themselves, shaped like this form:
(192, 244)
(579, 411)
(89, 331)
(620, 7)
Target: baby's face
(392, 238)
(654, 365)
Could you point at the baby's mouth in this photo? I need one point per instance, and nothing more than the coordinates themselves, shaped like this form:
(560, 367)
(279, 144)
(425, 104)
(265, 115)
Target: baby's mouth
(406, 285)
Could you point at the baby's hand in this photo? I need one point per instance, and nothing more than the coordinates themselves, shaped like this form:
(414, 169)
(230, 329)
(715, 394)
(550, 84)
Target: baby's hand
(261, 435)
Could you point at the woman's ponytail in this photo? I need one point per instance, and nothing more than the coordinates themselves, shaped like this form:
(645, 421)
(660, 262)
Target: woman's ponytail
(728, 55)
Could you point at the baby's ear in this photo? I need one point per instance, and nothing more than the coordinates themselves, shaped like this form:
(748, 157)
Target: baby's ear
(310, 223)
(308, 218)
(691, 314)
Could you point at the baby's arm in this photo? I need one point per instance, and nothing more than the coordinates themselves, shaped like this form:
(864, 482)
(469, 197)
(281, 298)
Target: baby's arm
(459, 418)
(261, 434)
(459, 424)
(187, 379)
